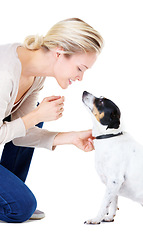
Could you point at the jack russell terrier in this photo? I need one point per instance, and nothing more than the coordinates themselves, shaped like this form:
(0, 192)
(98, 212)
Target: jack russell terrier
(118, 157)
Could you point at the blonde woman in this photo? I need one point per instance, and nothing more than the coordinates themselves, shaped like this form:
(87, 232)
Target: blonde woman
(65, 53)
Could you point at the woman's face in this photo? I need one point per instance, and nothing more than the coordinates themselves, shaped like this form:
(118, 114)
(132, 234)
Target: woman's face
(69, 69)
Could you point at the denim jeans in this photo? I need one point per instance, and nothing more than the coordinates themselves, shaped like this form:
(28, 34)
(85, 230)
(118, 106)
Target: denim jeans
(17, 202)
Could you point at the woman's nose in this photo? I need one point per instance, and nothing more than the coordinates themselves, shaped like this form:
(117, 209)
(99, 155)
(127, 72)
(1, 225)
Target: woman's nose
(79, 78)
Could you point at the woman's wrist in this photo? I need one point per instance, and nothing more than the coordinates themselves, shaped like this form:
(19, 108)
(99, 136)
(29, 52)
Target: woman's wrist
(31, 119)
(64, 138)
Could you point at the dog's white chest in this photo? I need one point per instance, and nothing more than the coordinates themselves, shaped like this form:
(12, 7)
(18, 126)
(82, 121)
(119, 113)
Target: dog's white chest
(102, 159)
(107, 159)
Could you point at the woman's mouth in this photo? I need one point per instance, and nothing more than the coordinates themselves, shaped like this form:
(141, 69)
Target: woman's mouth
(70, 81)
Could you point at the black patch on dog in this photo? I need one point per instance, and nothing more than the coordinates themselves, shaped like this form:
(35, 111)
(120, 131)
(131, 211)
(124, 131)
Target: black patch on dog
(111, 112)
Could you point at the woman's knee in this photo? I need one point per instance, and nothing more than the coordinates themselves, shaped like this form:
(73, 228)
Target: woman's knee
(17, 202)
(27, 207)
(21, 209)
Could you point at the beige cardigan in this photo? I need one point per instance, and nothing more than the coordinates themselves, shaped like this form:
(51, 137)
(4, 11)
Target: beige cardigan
(10, 72)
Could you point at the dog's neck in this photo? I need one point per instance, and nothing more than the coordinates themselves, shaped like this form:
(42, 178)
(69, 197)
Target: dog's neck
(99, 129)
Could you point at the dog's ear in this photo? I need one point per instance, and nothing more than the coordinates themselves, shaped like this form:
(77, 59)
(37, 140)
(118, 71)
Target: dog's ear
(114, 124)
(114, 121)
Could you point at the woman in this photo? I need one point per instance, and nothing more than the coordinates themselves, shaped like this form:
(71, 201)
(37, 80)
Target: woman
(65, 53)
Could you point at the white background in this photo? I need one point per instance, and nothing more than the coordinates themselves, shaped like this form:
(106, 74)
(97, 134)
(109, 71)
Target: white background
(65, 181)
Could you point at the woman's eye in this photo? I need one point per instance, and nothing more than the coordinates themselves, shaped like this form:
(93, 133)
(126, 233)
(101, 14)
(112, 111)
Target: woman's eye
(79, 69)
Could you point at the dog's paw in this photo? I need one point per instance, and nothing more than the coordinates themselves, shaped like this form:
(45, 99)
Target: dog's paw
(106, 219)
(92, 221)
(109, 218)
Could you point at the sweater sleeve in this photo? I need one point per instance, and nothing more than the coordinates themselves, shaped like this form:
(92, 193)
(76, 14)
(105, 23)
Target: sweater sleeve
(35, 137)
(8, 131)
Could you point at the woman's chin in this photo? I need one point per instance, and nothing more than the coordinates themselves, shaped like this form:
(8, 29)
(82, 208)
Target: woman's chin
(63, 85)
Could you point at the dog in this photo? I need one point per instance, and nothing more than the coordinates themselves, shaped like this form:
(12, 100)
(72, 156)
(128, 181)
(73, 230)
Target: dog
(118, 157)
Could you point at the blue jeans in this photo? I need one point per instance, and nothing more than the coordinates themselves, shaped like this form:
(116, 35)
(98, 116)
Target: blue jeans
(17, 202)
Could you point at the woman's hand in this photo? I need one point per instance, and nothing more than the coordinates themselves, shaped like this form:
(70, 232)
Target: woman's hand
(82, 140)
(51, 108)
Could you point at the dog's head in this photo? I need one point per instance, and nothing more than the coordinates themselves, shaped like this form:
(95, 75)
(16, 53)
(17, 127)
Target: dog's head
(104, 110)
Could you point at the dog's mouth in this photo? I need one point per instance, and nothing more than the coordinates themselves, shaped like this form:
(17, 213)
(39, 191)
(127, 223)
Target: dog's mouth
(88, 99)
(86, 95)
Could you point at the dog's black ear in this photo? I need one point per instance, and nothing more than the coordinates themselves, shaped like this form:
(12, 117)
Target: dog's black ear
(114, 124)
(114, 121)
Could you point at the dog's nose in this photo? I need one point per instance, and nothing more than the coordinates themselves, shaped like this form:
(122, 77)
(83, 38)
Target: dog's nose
(85, 96)
(85, 93)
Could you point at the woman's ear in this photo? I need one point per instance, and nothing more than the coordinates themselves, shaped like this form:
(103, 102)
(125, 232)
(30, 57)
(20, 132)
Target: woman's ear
(59, 51)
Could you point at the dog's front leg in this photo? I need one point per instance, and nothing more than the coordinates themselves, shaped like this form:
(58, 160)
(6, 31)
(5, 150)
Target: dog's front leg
(111, 193)
(112, 210)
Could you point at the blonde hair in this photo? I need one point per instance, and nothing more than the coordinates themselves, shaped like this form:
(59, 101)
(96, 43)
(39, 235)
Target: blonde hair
(72, 35)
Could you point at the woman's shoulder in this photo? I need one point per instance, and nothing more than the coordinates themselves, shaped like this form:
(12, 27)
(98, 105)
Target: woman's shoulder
(9, 62)
(8, 51)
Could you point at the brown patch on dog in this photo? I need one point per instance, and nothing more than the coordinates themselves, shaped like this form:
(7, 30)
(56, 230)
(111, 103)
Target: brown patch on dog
(97, 114)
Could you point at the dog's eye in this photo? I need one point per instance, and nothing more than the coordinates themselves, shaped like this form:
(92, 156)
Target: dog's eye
(101, 102)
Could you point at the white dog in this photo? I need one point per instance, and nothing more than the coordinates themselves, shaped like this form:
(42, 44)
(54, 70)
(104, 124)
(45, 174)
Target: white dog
(118, 157)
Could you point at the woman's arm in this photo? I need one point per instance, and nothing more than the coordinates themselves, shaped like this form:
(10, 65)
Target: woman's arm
(31, 115)
(8, 130)
(83, 140)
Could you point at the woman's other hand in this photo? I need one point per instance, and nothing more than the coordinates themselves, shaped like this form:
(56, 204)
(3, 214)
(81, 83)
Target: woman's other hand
(50, 109)
(82, 140)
